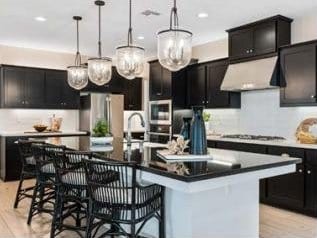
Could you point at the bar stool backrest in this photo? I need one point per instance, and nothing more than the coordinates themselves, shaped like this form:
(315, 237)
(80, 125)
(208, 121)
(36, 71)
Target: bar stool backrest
(45, 156)
(25, 151)
(70, 170)
(112, 184)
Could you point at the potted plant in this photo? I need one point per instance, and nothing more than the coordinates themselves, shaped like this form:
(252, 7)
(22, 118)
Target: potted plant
(101, 133)
(206, 118)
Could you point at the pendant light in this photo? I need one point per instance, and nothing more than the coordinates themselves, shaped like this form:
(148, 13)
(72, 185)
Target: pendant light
(174, 44)
(77, 76)
(130, 58)
(99, 68)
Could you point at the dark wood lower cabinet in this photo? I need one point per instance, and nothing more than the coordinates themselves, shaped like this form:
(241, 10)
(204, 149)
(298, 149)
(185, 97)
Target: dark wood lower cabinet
(296, 191)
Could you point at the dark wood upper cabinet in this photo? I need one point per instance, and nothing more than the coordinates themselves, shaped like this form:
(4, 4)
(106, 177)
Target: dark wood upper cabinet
(34, 88)
(24, 87)
(196, 76)
(204, 82)
(132, 91)
(12, 90)
(160, 82)
(298, 74)
(60, 95)
(215, 97)
(258, 39)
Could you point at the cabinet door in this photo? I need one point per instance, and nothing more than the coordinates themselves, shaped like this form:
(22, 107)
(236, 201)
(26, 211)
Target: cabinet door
(215, 74)
(34, 88)
(13, 83)
(179, 89)
(155, 82)
(241, 44)
(298, 70)
(54, 89)
(196, 85)
(311, 189)
(166, 84)
(133, 94)
(264, 38)
(287, 190)
(70, 96)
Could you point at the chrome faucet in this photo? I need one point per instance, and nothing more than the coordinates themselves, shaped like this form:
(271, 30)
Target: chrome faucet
(129, 136)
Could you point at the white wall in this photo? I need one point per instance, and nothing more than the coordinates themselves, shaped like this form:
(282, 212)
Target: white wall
(260, 112)
(24, 119)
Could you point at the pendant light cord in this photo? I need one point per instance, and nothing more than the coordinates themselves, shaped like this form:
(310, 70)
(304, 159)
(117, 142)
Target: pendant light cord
(174, 17)
(78, 56)
(130, 39)
(99, 29)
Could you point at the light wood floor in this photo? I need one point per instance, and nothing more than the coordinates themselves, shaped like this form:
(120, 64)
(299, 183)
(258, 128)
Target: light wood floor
(274, 223)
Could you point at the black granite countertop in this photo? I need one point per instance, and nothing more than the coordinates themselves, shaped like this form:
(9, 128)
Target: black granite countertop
(224, 162)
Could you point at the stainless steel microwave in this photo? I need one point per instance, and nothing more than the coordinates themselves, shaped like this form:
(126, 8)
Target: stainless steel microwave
(161, 112)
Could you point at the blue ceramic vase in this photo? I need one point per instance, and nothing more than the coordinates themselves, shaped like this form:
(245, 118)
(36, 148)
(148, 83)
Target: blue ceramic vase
(185, 131)
(198, 140)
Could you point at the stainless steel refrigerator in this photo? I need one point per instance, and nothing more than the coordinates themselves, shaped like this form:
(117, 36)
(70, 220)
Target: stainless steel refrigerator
(95, 106)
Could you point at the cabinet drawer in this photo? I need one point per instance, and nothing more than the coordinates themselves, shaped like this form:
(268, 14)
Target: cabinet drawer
(241, 147)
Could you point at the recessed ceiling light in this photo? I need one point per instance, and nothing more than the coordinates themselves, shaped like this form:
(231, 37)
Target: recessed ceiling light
(42, 19)
(202, 15)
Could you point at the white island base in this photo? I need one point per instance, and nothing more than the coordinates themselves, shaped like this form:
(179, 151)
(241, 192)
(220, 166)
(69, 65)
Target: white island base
(224, 207)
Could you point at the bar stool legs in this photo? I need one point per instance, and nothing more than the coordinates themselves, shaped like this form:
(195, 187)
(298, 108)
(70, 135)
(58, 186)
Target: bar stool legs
(22, 193)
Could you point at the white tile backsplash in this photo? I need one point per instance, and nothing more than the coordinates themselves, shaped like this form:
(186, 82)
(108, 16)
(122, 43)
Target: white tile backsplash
(261, 113)
(24, 119)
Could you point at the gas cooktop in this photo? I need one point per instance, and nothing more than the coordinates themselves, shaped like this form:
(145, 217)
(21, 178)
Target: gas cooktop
(253, 137)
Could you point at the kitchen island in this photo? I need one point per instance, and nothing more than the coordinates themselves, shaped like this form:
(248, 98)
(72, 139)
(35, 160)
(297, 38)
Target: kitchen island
(215, 198)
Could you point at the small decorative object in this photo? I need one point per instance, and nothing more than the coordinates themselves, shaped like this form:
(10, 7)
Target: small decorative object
(56, 123)
(178, 168)
(303, 133)
(130, 58)
(174, 44)
(206, 117)
(101, 133)
(40, 127)
(198, 140)
(185, 131)
(177, 147)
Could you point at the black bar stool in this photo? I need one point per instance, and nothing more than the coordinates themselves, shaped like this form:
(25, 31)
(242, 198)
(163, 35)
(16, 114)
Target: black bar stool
(71, 194)
(28, 170)
(116, 198)
(44, 191)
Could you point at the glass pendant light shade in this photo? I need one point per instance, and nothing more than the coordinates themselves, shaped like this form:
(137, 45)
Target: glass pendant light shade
(130, 61)
(174, 48)
(130, 58)
(77, 76)
(174, 45)
(99, 68)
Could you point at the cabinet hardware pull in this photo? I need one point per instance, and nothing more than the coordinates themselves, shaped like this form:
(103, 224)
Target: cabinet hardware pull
(313, 96)
(22, 102)
(251, 50)
(300, 170)
(248, 51)
(308, 172)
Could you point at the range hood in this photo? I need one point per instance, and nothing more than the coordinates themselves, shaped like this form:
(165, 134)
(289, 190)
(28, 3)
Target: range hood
(251, 75)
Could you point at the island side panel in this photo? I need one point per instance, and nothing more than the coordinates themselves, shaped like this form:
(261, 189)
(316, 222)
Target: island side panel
(228, 212)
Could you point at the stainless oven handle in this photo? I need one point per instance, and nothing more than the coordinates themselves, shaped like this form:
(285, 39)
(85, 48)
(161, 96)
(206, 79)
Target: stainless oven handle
(159, 134)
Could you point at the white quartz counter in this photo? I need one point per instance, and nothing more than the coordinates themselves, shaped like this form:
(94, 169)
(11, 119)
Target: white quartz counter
(41, 134)
(286, 143)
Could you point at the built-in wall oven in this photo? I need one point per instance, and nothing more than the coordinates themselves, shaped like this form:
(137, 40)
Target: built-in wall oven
(160, 121)
(161, 112)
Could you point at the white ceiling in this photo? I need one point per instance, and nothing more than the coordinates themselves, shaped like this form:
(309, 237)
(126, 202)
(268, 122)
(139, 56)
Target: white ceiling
(18, 27)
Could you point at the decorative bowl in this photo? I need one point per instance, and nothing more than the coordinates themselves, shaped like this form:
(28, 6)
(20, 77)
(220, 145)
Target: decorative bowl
(40, 128)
